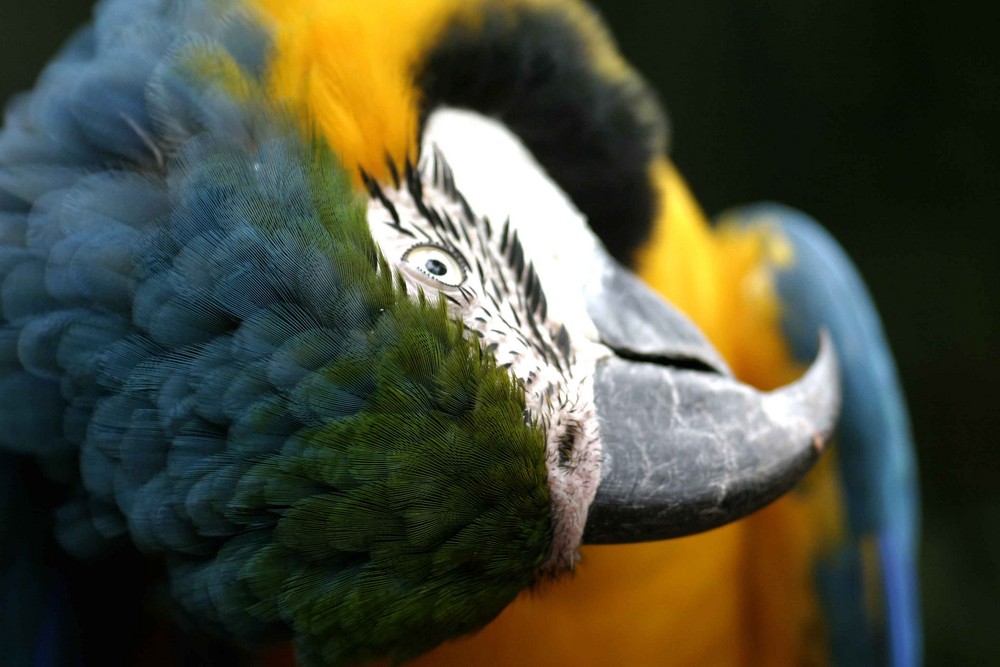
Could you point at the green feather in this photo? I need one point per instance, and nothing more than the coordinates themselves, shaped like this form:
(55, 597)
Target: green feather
(434, 511)
(417, 507)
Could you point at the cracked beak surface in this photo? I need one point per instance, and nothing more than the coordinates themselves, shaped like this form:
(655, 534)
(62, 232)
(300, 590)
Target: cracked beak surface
(685, 446)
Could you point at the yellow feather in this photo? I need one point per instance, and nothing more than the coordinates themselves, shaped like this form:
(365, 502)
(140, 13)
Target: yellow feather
(347, 70)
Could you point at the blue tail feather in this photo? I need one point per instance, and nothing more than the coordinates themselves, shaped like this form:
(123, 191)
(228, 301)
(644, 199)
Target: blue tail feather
(822, 289)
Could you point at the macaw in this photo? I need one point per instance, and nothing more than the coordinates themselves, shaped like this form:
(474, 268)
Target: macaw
(322, 306)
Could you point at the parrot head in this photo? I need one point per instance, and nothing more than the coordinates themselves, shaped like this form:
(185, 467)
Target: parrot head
(363, 403)
(497, 283)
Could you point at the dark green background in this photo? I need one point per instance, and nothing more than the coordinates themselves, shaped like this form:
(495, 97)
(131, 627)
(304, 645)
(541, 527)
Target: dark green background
(880, 119)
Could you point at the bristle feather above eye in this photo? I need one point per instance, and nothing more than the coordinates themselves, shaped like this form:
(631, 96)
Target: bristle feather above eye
(375, 190)
(505, 237)
(393, 169)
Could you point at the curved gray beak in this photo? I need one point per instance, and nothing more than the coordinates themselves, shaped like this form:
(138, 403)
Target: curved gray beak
(685, 446)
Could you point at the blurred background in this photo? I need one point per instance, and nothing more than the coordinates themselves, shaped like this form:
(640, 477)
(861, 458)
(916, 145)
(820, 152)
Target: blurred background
(879, 118)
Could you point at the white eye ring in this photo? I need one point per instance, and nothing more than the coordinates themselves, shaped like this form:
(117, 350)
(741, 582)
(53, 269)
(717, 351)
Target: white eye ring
(435, 263)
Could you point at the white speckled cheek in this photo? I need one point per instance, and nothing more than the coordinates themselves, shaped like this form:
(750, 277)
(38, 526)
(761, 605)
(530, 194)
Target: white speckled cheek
(501, 179)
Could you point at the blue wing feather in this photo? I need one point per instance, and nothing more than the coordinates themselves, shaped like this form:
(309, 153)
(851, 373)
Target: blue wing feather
(822, 289)
(83, 189)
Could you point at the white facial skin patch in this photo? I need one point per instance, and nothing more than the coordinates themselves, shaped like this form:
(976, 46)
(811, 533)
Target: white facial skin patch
(481, 226)
(501, 179)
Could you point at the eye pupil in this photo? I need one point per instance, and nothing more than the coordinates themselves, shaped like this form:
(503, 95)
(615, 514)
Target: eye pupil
(441, 266)
(435, 267)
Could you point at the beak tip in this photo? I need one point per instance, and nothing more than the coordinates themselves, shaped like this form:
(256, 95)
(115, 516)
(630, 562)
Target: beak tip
(665, 452)
(822, 387)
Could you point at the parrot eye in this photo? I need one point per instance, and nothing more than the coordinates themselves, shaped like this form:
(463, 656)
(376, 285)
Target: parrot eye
(437, 263)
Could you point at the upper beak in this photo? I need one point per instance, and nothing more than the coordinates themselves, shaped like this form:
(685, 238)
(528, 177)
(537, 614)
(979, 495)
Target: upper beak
(685, 446)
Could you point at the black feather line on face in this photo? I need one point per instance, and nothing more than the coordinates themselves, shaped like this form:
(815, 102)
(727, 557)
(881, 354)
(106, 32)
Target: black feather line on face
(562, 341)
(375, 191)
(393, 170)
(503, 283)
(505, 236)
(517, 305)
(515, 254)
(414, 184)
(444, 177)
(517, 319)
(453, 230)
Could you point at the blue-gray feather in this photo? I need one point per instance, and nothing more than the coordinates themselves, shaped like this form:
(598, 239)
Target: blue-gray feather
(104, 261)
